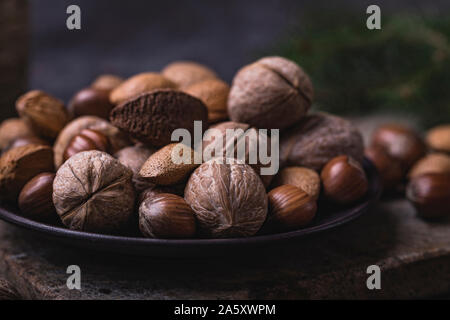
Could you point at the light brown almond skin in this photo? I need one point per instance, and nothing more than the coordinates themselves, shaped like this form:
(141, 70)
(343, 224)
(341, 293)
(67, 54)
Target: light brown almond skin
(139, 84)
(19, 165)
(160, 169)
(438, 138)
(306, 179)
(45, 114)
(214, 94)
(13, 129)
(107, 82)
(432, 163)
(186, 73)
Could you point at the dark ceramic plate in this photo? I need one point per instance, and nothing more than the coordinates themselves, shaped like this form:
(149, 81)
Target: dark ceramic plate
(328, 217)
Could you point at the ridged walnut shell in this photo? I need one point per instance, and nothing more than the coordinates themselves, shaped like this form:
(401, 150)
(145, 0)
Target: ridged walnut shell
(273, 92)
(152, 117)
(186, 73)
(318, 138)
(229, 200)
(139, 84)
(93, 192)
(117, 138)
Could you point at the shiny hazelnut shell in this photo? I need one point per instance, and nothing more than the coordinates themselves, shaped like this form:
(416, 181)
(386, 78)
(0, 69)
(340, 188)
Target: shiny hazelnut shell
(91, 101)
(389, 168)
(344, 181)
(290, 208)
(86, 140)
(35, 199)
(430, 194)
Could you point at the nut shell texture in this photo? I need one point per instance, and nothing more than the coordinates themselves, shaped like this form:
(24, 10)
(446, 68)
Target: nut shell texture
(438, 138)
(273, 92)
(152, 117)
(186, 73)
(229, 200)
(319, 138)
(93, 192)
(306, 179)
(12, 129)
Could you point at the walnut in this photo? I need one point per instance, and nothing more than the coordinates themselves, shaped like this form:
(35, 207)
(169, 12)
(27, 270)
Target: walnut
(93, 192)
(317, 139)
(229, 200)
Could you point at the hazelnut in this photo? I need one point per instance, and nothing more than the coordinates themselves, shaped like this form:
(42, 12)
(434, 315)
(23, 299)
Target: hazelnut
(154, 190)
(45, 114)
(214, 94)
(106, 82)
(12, 129)
(35, 199)
(438, 138)
(273, 92)
(186, 73)
(137, 85)
(306, 179)
(19, 165)
(344, 180)
(432, 163)
(389, 168)
(160, 167)
(117, 139)
(166, 215)
(93, 192)
(229, 199)
(86, 140)
(430, 194)
(399, 142)
(290, 208)
(152, 117)
(90, 101)
(318, 138)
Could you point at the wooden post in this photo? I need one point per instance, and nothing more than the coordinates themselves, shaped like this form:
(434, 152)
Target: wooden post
(13, 53)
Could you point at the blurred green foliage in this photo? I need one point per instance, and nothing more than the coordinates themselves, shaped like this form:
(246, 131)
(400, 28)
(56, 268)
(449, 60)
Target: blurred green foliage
(402, 68)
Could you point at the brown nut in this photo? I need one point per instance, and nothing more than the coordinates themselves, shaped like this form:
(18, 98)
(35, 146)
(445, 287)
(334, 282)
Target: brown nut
(169, 165)
(152, 117)
(106, 82)
(290, 208)
(154, 190)
(20, 142)
(438, 138)
(186, 73)
(216, 140)
(317, 139)
(214, 94)
(19, 165)
(306, 179)
(430, 194)
(399, 142)
(139, 84)
(273, 92)
(166, 215)
(432, 163)
(86, 140)
(35, 199)
(90, 101)
(93, 192)
(389, 168)
(229, 200)
(45, 114)
(117, 139)
(344, 180)
(13, 129)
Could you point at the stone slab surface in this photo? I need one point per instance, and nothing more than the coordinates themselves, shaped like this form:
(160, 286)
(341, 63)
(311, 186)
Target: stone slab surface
(414, 257)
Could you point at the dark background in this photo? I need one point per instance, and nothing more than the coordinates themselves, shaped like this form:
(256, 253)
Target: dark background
(127, 37)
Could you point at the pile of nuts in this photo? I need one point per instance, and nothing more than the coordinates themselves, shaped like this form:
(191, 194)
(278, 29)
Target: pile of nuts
(103, 163)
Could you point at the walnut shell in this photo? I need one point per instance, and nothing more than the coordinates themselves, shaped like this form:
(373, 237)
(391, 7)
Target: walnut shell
(93, 192)
(152, 117)
(12, 129)
(139, 84)
(117, 138)
(19, 165)
(186, 73)
(45, 114)
(229, 200)
(319, 138)
(273, 92)
(214, 94)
